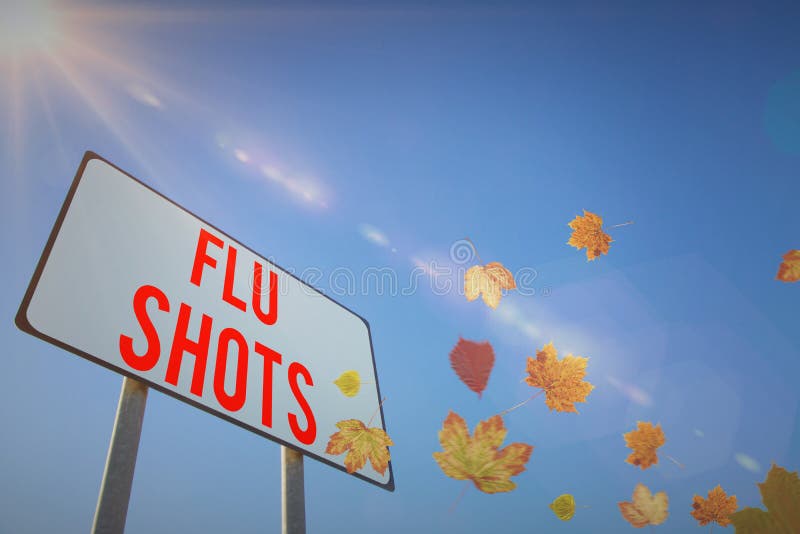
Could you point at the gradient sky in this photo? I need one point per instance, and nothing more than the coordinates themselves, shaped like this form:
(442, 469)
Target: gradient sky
(360, 135)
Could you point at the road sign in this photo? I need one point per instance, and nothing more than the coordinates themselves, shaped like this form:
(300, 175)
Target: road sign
(134, 282)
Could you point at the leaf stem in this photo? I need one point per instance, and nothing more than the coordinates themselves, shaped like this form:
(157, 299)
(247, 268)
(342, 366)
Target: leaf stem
(474, 249)
(523, 403)
(620, 225)
(376, 412)
(458, 499)
(676, 462)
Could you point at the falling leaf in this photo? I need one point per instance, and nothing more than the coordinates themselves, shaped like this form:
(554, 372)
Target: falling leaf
(473, 363)
(780, 493)
(588, 233)
(561, 380)
(361, 443)
(645, 508)
(644, 441)
(717, 508)
(789, 270)
(488, 280)
(349, 383)
(564, 507)
(477, 457)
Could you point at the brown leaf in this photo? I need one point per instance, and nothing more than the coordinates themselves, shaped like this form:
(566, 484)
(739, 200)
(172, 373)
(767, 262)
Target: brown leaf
(472, 362)
(562, 380)
(588, 233)
(644, 441)
(789, 270)
(717, 508)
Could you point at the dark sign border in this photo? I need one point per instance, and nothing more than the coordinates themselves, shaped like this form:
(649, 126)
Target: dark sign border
(23, 324)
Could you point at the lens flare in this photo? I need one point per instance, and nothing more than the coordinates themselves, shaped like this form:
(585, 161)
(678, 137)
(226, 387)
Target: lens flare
(27, 26)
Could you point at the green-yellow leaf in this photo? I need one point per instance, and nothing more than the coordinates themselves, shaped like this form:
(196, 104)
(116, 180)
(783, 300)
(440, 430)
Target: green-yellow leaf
(780, 493)
(479, 457)
(564, 507)
(349, 383)
(361, 444)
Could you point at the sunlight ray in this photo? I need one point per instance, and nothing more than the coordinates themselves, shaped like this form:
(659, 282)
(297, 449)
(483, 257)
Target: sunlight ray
(105, 14)
(110, 66)
(48, 112)
(17, 110)
(102, 109)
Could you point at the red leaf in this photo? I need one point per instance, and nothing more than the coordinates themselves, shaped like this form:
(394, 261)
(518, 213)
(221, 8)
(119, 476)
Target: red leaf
(473, 363)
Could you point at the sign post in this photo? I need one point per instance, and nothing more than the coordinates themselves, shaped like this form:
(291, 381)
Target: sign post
(115, 490)
(293, 500)
(132, 281)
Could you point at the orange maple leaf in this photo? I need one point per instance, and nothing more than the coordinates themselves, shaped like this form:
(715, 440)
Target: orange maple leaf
(489, 280)
(477, 457)
(588, 233)
(644, 441)
(789, 270)
(561, 380)
(645, 508)
(718, 507)
(361, 443)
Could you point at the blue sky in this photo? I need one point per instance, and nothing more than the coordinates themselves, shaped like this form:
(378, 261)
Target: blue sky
(357, 135)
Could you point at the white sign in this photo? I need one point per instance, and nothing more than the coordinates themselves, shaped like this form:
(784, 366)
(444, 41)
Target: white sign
(136, 283)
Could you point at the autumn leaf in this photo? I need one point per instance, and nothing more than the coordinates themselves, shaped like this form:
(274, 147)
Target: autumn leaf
(488, 280)
(780, 493)
(478, 458)
(644, 441)
(717, 508)
(360, 443)
(564, 507)
(588, 233)
(473, 363)
(645, 508)
(789, 270)
(561, 380)
(349, 383)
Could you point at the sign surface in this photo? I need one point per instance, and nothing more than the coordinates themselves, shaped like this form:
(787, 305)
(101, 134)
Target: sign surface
(134, 282)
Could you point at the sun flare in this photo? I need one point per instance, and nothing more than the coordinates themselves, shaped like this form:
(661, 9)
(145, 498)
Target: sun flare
(27, 25)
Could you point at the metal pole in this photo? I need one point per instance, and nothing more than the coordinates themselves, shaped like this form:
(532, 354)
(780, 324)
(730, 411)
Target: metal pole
(293, 509)
(115, 490)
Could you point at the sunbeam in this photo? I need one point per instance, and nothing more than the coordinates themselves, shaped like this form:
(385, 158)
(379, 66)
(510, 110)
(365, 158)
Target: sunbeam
(41, 92)
(28, 26)
(101, 106)
(94, 50)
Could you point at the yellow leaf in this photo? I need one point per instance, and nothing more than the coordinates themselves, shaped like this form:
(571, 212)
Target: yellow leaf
(718, 507)
(561, 380)
(645, 508)
(780, 493)
(488, 280)
(644, 441)
(360, 443)
(588, 233)
(789, 269)
(564, 507)
(349, 383)
(478, 458)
